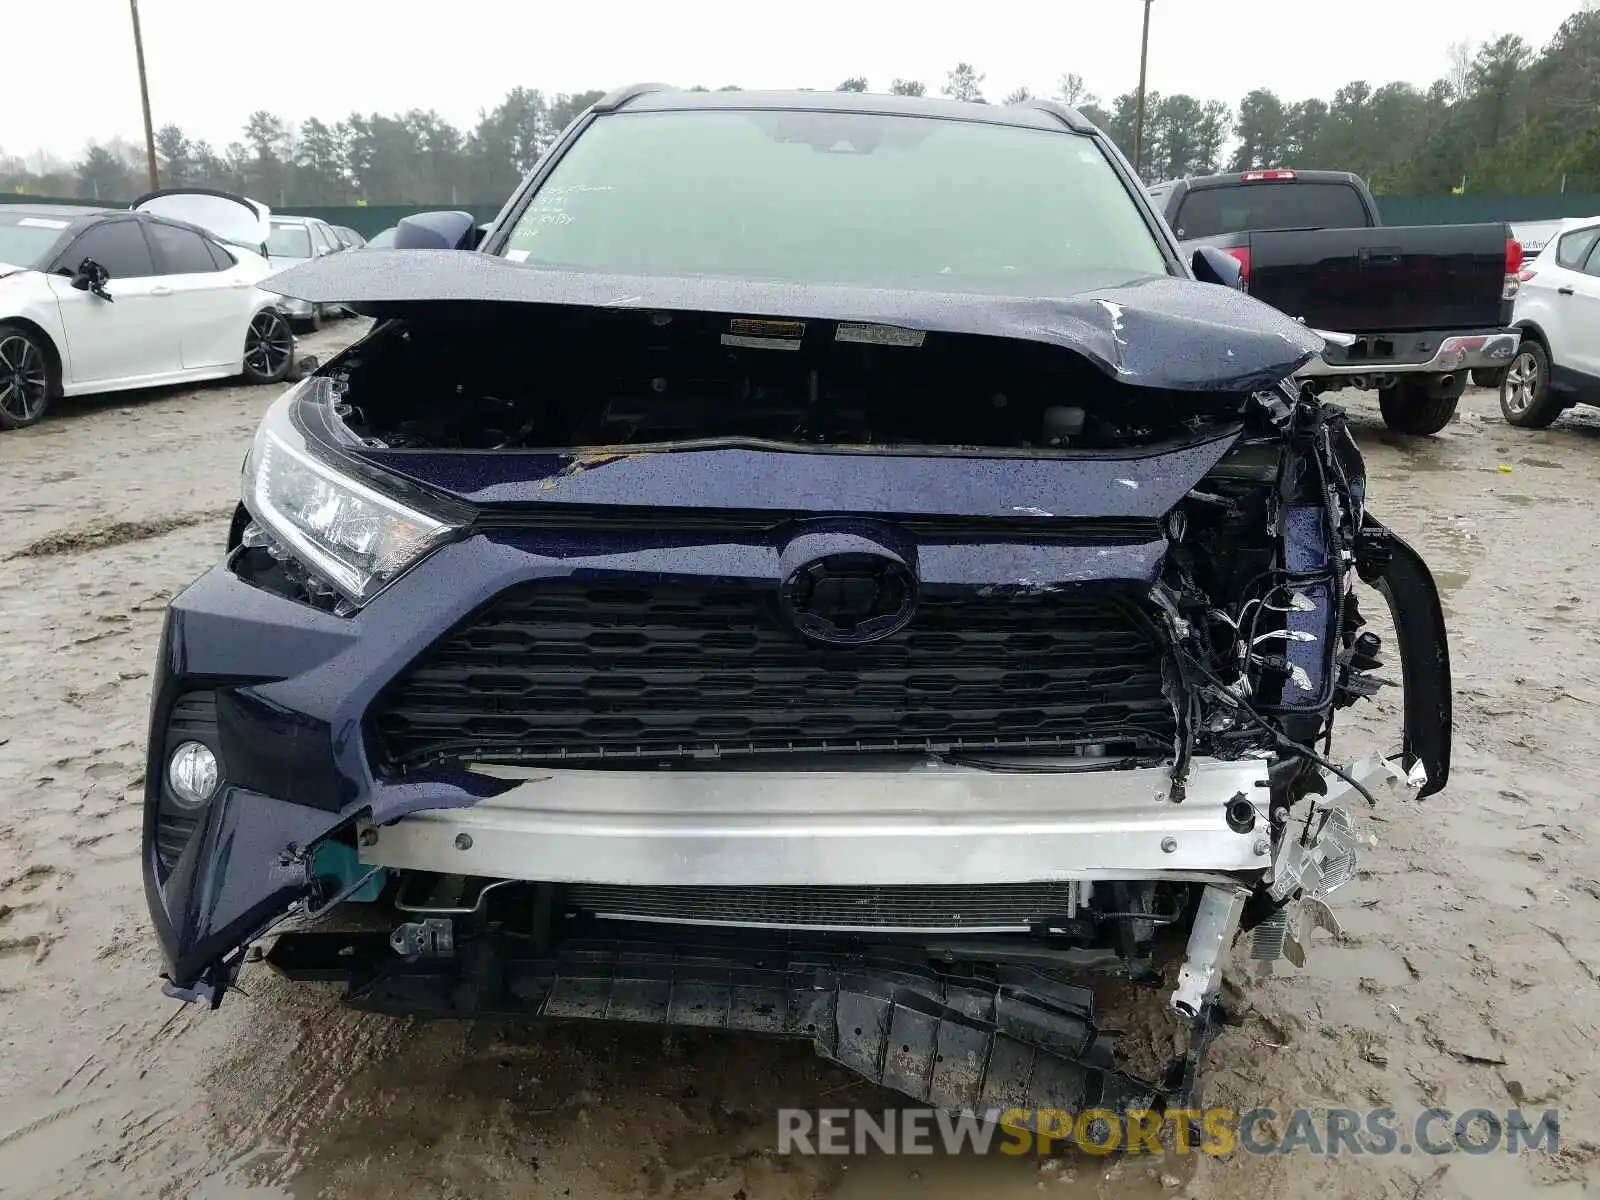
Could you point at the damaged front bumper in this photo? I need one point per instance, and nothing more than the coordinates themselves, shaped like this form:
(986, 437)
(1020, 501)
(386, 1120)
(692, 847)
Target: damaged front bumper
(1010, 1036)
(280, 692)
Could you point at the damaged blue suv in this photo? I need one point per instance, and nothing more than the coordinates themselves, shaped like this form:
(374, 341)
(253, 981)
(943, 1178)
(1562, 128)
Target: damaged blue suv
(819, 564)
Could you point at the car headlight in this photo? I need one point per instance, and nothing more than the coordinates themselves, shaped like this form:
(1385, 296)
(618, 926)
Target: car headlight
(348, 534)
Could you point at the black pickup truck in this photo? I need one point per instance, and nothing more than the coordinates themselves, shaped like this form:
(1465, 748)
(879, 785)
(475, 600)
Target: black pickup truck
(1407, 310)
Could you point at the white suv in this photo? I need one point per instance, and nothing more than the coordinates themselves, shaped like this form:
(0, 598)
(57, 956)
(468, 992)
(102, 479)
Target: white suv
(1558, 313)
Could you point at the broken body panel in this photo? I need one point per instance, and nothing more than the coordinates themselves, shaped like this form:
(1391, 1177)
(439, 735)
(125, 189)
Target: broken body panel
(754, 667)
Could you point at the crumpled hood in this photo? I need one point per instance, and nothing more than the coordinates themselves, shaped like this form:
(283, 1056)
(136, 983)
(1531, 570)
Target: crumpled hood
(1159, 332)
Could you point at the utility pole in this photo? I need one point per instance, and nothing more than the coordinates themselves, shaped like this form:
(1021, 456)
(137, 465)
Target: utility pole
(1138, 119)
(144, 98)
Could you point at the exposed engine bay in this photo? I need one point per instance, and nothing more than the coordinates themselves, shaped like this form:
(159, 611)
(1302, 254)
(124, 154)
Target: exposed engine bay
(628, 378)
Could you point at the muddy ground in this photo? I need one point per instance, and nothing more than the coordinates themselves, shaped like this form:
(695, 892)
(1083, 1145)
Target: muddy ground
(1468, 974)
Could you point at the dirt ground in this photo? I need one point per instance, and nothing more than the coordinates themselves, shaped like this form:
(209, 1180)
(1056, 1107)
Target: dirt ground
(1468, 973)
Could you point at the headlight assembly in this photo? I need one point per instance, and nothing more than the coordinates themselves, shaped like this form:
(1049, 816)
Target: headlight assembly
(350, 535)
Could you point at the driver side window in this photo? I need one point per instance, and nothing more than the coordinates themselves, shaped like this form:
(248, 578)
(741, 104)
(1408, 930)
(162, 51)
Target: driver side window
(118, 246)
(1574, 247)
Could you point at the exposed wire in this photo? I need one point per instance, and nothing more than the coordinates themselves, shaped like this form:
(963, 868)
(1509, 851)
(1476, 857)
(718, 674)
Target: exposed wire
(1283, 740)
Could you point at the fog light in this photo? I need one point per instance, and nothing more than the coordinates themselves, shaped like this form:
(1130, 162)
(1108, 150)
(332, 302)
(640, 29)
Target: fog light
(193, 774)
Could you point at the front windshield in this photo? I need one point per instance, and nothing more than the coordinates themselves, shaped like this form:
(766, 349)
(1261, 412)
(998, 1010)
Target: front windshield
(289, 241)
(25, 238)
(838, 198)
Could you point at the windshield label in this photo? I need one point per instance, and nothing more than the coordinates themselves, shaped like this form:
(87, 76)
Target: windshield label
(879, 335)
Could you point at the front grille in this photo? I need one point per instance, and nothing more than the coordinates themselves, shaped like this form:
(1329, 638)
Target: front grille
(986, 908)
(571, 670)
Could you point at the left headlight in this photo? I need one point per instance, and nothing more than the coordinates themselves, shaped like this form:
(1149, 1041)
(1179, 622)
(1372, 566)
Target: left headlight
(354, 537)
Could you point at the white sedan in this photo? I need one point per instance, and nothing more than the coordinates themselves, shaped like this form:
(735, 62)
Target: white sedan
(102, 300)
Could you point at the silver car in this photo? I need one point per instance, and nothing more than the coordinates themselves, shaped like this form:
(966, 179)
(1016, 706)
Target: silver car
(297, 240)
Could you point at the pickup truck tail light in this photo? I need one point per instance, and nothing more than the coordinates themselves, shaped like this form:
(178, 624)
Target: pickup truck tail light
(1242, 253)
(1266, 176)
(1515, 275)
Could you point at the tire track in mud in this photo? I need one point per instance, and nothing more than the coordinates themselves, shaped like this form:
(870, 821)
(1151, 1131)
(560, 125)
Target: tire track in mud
(106, 535)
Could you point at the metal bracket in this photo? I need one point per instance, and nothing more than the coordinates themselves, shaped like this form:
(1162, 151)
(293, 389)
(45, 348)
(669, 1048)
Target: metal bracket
(1372, 770)
(433, 938)
(1321, 864)
(1326, 859)
(1215, 924)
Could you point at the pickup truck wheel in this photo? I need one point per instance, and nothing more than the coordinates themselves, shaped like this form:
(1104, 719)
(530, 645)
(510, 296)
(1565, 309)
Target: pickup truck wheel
(1408, 408)
(1525, 399)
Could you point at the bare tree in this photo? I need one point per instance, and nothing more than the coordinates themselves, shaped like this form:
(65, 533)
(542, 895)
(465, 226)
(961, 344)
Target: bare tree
(964, 83)
(1072, 90)
(1020, 96)
(1459, 72)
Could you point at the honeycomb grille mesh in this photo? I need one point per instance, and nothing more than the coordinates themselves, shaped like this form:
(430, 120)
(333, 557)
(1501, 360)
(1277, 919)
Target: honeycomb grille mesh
(569, 670)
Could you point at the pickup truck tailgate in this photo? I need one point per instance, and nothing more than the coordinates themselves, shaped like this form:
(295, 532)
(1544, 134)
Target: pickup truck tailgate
(1390, 278)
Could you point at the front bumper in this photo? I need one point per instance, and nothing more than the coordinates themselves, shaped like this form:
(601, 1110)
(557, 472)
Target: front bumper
(1412, 353)
(280, 691)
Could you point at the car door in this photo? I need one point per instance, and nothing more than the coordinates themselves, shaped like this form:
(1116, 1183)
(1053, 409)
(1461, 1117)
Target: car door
(1578, 300)
(210, 301)
(131, 336)
(1549, 291)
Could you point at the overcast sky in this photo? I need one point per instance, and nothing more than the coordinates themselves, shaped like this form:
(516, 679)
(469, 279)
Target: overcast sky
(69, 72)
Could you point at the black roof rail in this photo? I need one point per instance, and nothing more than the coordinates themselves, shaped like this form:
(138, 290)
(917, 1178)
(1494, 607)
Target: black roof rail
(622, 96)
(1067, 115)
